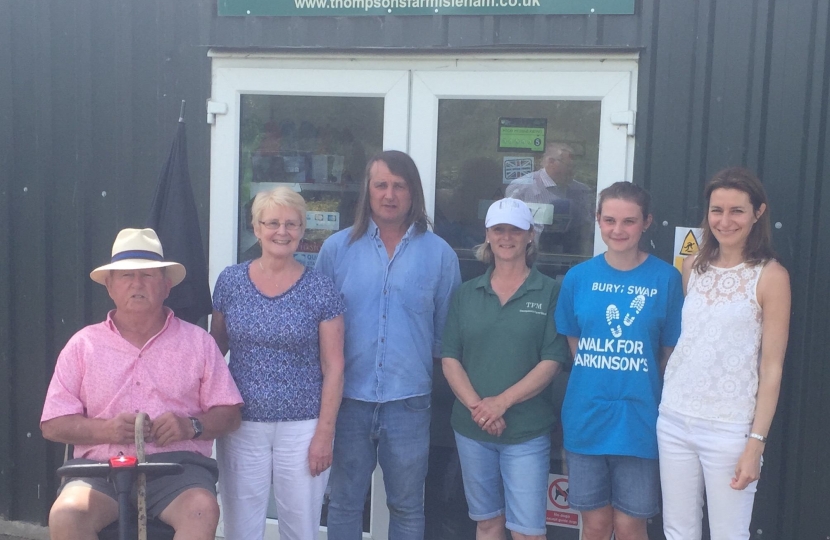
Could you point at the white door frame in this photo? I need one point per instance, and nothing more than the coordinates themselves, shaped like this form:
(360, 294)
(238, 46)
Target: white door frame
(411, 87)
(231, 81)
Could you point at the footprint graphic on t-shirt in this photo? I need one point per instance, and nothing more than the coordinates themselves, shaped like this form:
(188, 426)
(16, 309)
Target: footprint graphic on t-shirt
(612, 315)
(637, 306)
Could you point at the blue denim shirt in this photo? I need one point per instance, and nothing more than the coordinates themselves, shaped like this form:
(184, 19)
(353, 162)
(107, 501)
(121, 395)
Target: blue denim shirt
(395, 309)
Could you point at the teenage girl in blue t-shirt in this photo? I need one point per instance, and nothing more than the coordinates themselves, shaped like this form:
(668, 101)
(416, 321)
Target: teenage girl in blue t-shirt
(621, 313)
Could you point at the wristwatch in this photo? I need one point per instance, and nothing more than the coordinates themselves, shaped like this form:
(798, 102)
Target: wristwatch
(197, 427)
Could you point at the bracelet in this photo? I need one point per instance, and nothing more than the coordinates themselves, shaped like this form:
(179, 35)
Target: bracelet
(759, 437)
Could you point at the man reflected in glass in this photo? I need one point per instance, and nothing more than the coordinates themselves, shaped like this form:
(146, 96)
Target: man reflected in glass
(562, 206)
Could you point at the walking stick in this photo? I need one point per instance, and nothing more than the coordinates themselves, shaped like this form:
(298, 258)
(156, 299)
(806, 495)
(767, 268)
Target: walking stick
(142, 478)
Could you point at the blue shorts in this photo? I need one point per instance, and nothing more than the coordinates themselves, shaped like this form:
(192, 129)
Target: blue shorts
(629, 484)
(509, 479)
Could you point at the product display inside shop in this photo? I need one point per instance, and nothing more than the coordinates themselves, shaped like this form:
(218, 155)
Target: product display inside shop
(318, 146)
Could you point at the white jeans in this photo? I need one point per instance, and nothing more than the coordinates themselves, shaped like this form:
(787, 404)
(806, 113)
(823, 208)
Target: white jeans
(695, 453)
(248, 458)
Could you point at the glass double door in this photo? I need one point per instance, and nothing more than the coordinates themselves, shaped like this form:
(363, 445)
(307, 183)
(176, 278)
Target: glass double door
(544, 129)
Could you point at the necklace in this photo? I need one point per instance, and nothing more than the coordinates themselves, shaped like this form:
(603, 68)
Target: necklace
(506, 290)
(264, 273)
(282, 281)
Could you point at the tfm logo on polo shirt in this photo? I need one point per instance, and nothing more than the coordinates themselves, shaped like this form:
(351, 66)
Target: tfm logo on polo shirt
(534, 307)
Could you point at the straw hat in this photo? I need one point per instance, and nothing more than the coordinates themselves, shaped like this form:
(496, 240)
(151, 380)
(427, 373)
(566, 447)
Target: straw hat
(136, 249)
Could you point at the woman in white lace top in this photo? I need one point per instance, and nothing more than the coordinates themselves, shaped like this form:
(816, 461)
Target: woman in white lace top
(723, 378)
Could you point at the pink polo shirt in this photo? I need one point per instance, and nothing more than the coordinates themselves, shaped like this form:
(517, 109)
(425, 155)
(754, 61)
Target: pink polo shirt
(100, 374)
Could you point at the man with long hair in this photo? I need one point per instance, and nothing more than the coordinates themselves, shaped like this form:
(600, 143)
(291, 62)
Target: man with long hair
(396, 278)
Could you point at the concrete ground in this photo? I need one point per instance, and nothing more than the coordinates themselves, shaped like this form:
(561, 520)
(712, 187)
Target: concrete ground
(16, 530)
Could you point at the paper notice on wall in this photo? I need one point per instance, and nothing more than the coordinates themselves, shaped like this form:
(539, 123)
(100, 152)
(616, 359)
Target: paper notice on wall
(326, 221)
(687, 241)
(542, 213)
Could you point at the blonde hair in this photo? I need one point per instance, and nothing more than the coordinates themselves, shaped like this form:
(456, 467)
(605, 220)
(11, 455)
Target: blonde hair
(280, 196)
(484, 253)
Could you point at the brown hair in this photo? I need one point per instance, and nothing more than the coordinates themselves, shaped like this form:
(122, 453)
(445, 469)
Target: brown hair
(758, 248)
(400, 164)
(626, 191)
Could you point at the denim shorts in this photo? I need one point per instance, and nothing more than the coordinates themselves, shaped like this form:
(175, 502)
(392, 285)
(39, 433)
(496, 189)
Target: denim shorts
(629, 484)
(509, 479)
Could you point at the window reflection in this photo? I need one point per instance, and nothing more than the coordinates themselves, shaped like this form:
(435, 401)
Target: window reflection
(559, 184)
(562, 206)
(458, 209)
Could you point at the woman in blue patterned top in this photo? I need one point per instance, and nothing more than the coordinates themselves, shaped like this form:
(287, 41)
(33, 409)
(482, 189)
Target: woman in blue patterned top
(283, 324)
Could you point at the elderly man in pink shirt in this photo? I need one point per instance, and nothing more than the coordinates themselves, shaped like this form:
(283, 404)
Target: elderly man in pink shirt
(141, 359)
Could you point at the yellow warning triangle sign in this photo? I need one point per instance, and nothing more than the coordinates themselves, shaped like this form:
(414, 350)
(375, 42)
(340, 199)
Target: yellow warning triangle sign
(689, 246)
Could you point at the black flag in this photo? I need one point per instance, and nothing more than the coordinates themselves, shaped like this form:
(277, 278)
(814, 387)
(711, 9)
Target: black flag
(174, 218)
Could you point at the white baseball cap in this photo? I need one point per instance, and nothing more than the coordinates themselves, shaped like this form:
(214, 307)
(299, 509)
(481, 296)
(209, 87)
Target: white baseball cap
(510, 211)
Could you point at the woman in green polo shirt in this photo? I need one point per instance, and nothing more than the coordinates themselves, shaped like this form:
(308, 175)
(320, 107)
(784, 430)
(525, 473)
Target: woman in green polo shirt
(501, 349)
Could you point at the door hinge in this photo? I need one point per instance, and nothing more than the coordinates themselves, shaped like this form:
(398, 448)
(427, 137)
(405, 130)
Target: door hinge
(624, 118)
(214, 108)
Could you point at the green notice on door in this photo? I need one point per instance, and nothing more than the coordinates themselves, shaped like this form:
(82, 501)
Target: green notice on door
(346, 8)
(522, 134)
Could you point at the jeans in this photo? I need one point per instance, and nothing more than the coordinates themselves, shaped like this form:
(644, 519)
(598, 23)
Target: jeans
(253, 456)
(695, 453)
(394, 434)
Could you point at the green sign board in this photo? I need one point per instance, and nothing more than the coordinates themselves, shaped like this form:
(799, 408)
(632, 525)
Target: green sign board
(345, 8)
(522, 134)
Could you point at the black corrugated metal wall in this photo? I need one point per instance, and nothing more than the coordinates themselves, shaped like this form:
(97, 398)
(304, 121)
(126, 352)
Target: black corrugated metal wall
(746, 82)
(89, 94)
(89, 103)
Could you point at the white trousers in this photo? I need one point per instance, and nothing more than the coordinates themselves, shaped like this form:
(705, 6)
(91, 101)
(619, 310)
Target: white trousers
(248, 460)
(697, 454)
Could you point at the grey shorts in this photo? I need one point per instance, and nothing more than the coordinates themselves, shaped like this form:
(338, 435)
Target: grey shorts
(199, 472)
